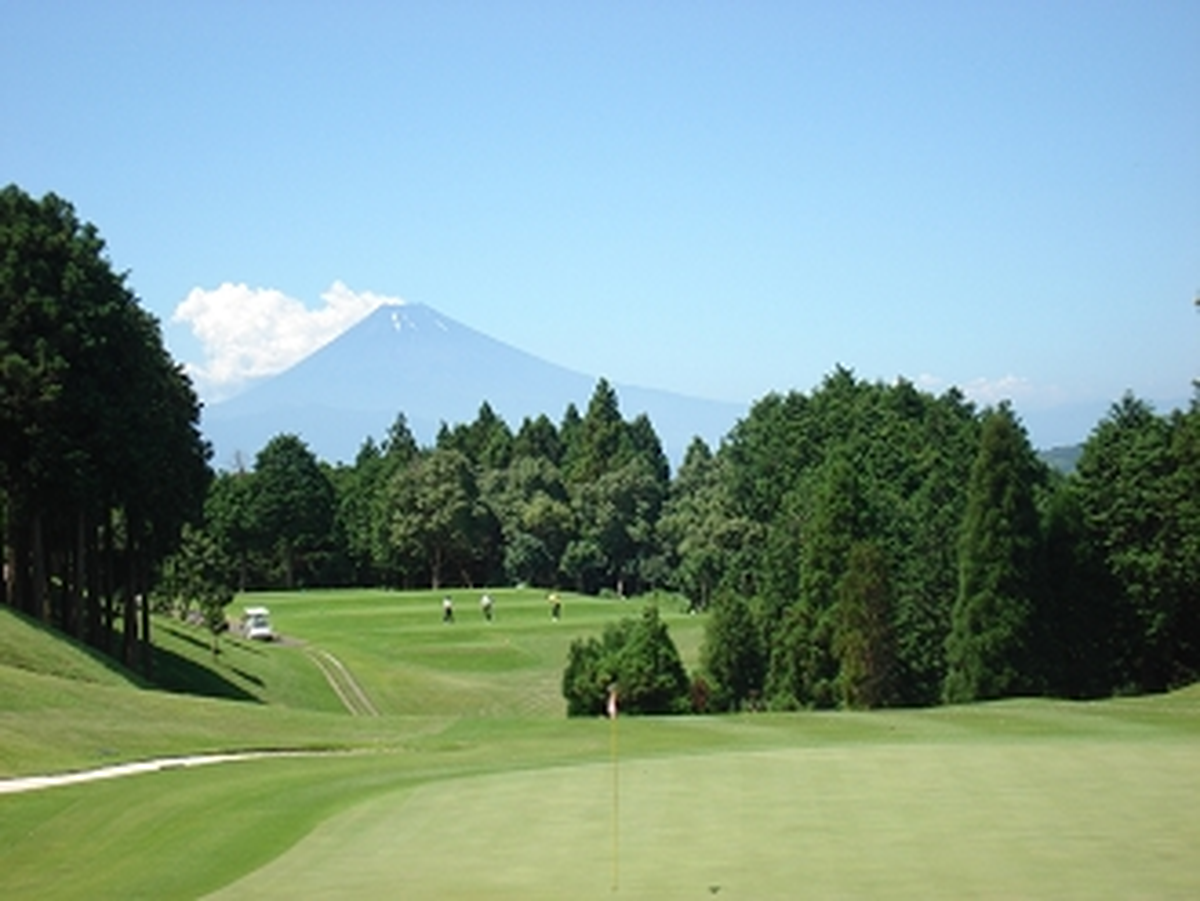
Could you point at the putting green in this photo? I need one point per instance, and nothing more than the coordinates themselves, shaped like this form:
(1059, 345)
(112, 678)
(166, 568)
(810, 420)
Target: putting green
(1041, 818)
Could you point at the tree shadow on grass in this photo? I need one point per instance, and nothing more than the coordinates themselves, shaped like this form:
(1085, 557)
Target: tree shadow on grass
(183, 636)
(227, 637)
(249, 677)
(171, 671)
(176, 673)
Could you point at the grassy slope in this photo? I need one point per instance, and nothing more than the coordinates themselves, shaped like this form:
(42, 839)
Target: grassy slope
(1011, 799)
(27, 645)
(63, 709)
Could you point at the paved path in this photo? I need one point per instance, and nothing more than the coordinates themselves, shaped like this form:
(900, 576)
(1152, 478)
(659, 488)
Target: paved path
(33, 783)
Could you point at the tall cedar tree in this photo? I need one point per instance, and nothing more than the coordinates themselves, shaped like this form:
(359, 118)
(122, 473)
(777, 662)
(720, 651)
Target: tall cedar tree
(601, 443)
(1082, 622)
(990, 647)
(732, 655)
(864, 639)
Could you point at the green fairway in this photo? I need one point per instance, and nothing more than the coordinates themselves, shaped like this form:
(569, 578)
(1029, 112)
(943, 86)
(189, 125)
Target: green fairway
(409, 662)
(472, 784)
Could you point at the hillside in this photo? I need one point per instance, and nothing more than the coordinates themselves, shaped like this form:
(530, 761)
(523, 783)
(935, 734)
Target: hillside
(63, 707)
(27, 645)
(1063, 459)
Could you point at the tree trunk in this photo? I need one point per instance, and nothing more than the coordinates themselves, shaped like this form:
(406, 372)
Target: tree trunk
(78, 589)
(143, 584)
(20, 550)
(15, 558)
(435, 569)
(6, 574)
(129, 624)
(39, 598)
(289, 565)
(129, 612)
(93, 624)
(108, 575)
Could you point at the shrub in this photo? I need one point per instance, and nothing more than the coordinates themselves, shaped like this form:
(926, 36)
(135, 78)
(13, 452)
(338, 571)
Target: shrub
(636, 655)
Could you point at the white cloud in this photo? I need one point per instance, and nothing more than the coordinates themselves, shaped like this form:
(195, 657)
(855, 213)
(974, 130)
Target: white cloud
(930, 383)
(247, 333)
(988, 392)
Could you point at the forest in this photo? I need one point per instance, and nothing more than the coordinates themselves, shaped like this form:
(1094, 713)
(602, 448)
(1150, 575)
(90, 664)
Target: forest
(864, 544)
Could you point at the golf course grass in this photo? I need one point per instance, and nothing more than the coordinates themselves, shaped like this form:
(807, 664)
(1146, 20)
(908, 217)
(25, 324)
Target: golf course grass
(471, 783)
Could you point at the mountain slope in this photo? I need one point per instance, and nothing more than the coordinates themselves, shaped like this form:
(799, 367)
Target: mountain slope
(411, 359)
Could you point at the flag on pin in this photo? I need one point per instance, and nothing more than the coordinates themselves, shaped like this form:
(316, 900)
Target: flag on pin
(612, 702)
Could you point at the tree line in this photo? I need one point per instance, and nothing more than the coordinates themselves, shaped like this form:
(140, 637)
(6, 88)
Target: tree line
(572, 504)
(863, 545)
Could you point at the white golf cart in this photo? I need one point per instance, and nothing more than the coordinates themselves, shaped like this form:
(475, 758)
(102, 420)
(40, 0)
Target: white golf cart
(256, 624)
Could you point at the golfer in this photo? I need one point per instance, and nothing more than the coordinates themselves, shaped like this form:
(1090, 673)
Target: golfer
(555, 606)
(447, 610)
(485, 604)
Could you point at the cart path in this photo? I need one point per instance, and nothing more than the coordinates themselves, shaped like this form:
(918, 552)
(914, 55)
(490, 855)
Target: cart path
(344, 685)
(33, 783)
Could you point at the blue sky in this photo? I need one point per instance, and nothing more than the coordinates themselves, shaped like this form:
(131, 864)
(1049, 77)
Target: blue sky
(720, 199)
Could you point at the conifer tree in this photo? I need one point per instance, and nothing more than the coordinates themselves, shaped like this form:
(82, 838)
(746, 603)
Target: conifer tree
(988, 649)
(601, 443)
(733, 655)
(864, 640)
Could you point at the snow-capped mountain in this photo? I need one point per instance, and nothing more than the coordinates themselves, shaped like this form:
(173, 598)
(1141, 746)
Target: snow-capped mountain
(411, 359)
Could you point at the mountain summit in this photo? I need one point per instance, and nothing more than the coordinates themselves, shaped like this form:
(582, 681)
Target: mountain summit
(410, 359)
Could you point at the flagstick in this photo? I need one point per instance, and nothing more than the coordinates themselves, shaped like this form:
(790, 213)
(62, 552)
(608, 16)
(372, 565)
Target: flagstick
(616, 811)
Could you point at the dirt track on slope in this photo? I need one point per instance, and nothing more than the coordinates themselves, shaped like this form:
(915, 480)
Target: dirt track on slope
(344, 685)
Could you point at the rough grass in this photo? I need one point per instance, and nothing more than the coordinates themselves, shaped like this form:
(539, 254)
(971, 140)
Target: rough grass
(495, 794)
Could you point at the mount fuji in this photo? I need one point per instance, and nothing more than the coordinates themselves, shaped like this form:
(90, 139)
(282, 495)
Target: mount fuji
(410, 359)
